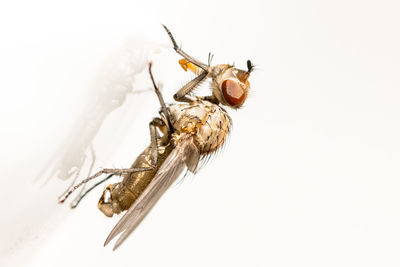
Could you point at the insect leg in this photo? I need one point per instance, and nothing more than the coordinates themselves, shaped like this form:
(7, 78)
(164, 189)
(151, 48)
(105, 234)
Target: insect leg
(72, 183)
(183, 54)
(190, 86)
(154, 159)
(161, 99)
(76, 201)
(186, 89)
(81, 196)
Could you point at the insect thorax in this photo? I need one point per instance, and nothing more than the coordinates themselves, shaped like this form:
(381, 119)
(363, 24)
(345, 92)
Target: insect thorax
(208, 122)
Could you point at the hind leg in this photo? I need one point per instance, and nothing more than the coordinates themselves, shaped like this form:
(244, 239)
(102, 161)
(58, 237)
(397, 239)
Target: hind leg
(154, 158)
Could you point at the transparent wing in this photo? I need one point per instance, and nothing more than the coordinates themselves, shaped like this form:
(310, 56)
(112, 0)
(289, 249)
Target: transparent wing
(184, 154)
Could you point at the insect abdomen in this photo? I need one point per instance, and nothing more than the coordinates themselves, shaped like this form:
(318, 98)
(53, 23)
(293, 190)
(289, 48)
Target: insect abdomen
(125, 193)
(136, 183)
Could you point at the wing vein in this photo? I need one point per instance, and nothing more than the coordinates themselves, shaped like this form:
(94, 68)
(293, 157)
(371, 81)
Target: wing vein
(184, 154)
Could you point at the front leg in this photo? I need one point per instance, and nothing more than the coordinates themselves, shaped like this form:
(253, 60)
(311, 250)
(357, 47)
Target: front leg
(182, 93)
(192, 60)
(190, 63)
(164, 109)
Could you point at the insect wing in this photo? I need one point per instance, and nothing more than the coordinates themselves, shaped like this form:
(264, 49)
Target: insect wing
(184, 154)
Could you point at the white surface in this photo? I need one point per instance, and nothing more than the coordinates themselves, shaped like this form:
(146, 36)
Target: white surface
(309, 177)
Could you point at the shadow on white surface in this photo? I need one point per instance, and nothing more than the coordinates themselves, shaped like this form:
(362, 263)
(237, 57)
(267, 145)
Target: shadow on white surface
(309, 177)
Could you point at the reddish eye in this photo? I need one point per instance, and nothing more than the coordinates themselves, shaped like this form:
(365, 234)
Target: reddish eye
(233, 93)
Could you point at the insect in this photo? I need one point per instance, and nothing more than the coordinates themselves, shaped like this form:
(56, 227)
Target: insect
(184, 134)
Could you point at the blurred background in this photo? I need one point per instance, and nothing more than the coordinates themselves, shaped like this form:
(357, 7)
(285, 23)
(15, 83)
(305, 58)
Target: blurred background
(310, 173)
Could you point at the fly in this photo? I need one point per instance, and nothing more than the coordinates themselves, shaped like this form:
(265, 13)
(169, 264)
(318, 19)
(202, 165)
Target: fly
(184, 133)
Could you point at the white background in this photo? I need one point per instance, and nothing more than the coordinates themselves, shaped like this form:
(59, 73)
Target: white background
(310, 176)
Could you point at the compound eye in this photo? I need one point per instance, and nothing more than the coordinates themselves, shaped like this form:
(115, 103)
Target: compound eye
(233, 93)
